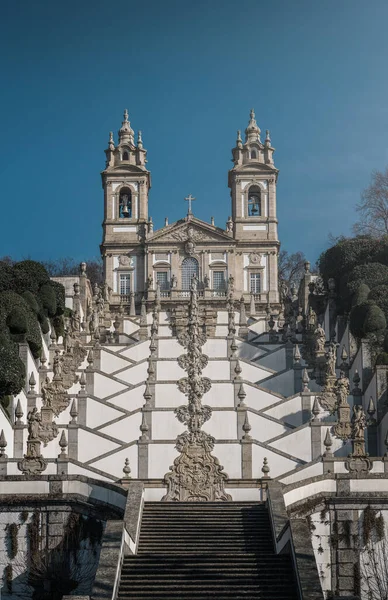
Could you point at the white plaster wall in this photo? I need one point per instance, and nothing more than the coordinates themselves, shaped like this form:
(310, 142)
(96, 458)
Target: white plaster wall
(135, 374)
(170, 349)
(215, 348)
(276, 361)
(168, 394)
(129, 327)
(105, 386)
(264, 429)
(248, 351)
(221, 330)
(222, 317)
(217, 369)
(91, 445)
(304, 473)
(297, 443)
(281, 384)
(169, 370)
(278, 464)
(220, 394)
(229, 456)
(113, 464)
(310, 489)
(222, 425)
(164, 331)
(6, 426)
(160, 456)
(98, 413)
(131, 399)
(253, 373)
(154, 494)
(138, 351)
(111, 362)
(259, 399)
(77, 470)
(126, 429)
(165, 425)
(289, 411)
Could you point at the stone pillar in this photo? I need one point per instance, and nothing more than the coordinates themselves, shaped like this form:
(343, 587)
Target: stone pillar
(345, 564)
(23, 355)
(316, 444)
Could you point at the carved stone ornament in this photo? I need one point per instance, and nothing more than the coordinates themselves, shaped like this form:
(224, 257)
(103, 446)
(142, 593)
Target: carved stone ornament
(328, 400)
(343, 428)
(196, 475)
(32, 465)
(190, 233)
(54, 395)
(358, 466)
(254, 258)
(124, 260)
(190, 247)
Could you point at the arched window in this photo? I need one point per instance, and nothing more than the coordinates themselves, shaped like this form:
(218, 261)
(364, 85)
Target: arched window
(125, 204)
(254, 202)
(189, 268)
(253, 154)
(125, 156)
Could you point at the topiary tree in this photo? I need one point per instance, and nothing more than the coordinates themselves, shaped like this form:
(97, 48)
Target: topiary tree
(60, 297)
(6, 276)
(371, 274)
(382, 358)
(48, 298)
(361, 294)
(17, 321)
(346, 254)
(28, 275)
(366, 318)
(379, 294)
(12, 369)
(10, 301)
(31, 301)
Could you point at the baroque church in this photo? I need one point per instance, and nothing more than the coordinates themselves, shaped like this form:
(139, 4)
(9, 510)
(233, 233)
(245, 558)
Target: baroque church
(193, 433)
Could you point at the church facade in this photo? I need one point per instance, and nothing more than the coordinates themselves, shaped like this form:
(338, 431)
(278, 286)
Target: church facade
(240, 258)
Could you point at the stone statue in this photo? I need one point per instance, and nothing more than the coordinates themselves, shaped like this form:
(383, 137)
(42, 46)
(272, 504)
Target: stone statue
(57, 364)
(174, 281)
(150, 282)
(33, 420)
(206, 281)
(106, 292)
(76, 321)
(331, 357)
(358, 422)
(230, 283)
(194, 283)
(229, 225)
(320, 338)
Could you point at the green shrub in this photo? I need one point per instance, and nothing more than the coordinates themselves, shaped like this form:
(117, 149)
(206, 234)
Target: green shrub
(10, 301)
(45, 325)
(28, 275)
(346, 255)
(59, 325)
(31, 301)
(12, 370)
(371, 274)
(48, 298)
(361, 294)
(6, 277)
(382, 358)
(60, 297)
(366, 318)
(17, 321)
(379, 294)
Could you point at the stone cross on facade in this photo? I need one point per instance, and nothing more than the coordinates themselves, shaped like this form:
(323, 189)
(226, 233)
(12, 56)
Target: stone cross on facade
(189, 199)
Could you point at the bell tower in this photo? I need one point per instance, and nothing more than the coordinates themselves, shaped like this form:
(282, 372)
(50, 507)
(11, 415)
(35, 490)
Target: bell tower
(126, 183)
(252, 181)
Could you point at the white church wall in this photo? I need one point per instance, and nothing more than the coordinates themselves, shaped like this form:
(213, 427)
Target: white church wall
(135, 374)
(168, 395)
(165, 425)
(264, 429)
(129, 399)
(111, 362)
(169, 349)
(283, 383)
(222, 425)
(304, 473)
(106, 386)
(215, 348)
(126, 430)
(129, 327)
(258, 398)
(289, 411)
(220, 395)
(297, 443)
(278, 464)
(114, 463)
(248, 351)
(91, 445)
(160, 457)
(253, 373)
(276, 361)
(229, 456)
(168, 370)
(217, 369)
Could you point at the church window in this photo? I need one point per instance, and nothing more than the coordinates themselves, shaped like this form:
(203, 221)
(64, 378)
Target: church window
(125, 204)
(255, 283)
(125, 284)
(254, 202)
(253, 154)
(219, 280)
(125, 156)
(162, 279)
(190, 267)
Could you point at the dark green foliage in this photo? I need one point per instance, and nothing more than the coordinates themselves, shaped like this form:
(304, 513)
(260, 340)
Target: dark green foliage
(382, 358)
(342, 258)
(60, 297)
(8, 577)
(44, 325)
(361, 294)
(371, 274)
(12, 530)
(48, 298)
(366, 318)
(385, 343)
(10, 301)
(379, 294)
(17, 321)
(28, 275)
(31, 301)
(12, 370)
(5, 276)
(59, 325)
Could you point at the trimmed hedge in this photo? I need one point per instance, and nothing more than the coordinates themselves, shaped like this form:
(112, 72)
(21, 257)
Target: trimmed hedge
(31, 300)
(60, 297)
(361, 294)
(382, 358)
(17, 321)
(371, 274)
(347, 254)
(48, 298)
(379, 294)
(12, 370)
(9, 301)
(6, 277)
(366, 318)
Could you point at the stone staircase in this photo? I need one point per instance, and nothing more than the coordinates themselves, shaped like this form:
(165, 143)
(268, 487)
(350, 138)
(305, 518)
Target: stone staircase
(206, 550)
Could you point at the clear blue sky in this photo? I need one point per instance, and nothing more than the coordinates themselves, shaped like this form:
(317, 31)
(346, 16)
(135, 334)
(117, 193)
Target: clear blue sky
(188, 72)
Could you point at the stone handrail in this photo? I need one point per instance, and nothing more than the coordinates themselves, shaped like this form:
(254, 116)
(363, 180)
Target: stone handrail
(116, 543)
(292, 536)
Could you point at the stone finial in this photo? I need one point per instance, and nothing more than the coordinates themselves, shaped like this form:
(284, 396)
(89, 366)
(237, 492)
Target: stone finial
(63, 445)
(212, 221)
(144, 428)
(90, 359)
(371, 411)
(53, 338)
(73, 412)
(82, 269)
(252, 308)
(82, 381)
(307, 265)
(246, 427)
(139, 140)
(315, 409)
(43, 360)
(111, 143)
(151, 369)
(265, 468)
(3, 444)
(386, 444)
(252, 132)
(233, 347)
(267, 138)
(297, 355)
(238, 369)
(127, 469)
(147, 394)
(243, 316)
(328, 442)
(19, 412)
(143, 313)
(356, 380)
(305, 381)
(32, 383)
(153, 344)
(241, 395)
(165, 221)
(239, 140)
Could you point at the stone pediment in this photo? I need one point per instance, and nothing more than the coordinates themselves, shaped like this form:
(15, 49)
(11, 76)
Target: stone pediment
(256, 168)
(193, 230)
